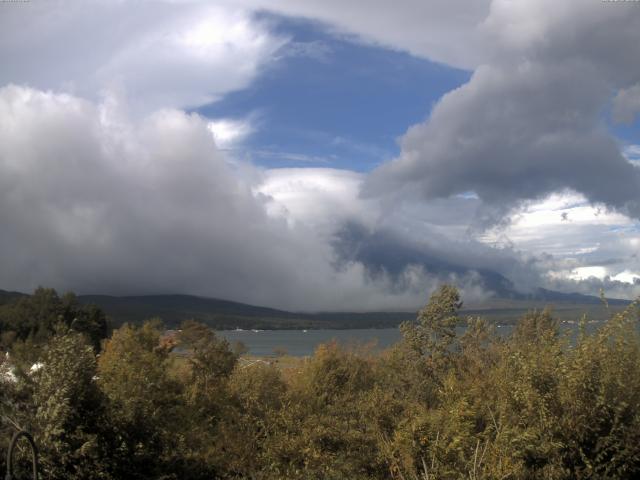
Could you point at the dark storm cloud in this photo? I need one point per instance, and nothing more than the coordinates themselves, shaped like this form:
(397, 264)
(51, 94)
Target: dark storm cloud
(384, 251)
(530, 121)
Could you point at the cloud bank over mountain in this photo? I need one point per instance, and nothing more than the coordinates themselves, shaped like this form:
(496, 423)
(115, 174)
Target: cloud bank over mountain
(109, 184)
(104, 203)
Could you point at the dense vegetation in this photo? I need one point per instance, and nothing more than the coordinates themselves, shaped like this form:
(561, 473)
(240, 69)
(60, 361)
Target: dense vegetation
(27, 322)
(435, 406)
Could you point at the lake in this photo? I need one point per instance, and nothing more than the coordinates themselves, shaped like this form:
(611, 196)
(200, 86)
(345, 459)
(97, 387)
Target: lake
(301, 343)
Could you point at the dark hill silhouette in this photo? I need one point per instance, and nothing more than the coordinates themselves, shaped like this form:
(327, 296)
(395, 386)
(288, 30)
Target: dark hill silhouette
(8, 297)
(226, 314)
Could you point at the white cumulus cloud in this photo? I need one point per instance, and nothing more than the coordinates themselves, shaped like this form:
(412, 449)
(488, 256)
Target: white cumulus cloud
(160, 54)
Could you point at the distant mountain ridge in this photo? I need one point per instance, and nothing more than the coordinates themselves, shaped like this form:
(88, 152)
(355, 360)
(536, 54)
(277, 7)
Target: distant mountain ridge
(6, 296)
(553, 296)
(225, 314)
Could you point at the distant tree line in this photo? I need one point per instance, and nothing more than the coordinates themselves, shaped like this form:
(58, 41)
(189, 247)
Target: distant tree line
(128, 404)
(29, 321)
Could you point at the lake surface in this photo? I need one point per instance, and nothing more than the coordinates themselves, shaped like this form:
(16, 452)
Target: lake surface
(301, 343)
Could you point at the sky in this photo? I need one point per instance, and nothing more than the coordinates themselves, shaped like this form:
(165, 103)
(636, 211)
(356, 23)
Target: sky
(320, 155)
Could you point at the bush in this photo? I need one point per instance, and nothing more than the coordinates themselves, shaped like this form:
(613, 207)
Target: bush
(438, 405)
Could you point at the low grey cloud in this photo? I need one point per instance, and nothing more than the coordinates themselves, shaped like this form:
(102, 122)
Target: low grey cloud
(94, 200)
(612, 289)
(434, 238)
(626, 104)
(389, 253)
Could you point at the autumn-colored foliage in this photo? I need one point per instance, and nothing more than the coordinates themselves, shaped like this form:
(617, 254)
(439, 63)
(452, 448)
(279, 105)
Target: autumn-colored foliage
(444, 403)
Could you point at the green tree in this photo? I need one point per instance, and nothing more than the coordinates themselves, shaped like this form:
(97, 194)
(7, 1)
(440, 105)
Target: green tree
(431, 343)
(434, 332)
(69, 418)
(143, 401)
(256, 397)
(324, 431)
(210, 356)
(210, 362)
(27, 323)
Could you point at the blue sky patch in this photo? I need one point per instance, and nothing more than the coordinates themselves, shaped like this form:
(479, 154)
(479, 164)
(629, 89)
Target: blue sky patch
(332, 102)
